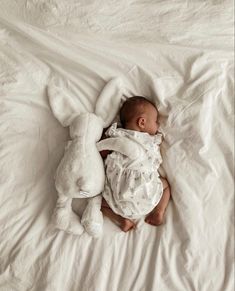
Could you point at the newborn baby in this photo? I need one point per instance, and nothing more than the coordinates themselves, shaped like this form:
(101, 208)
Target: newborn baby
(134, 188)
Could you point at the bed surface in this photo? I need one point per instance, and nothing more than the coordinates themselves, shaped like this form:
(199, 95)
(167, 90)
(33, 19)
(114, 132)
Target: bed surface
(178, 52)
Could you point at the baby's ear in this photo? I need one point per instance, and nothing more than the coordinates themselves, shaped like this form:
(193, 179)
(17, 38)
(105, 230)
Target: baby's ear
(141, 121)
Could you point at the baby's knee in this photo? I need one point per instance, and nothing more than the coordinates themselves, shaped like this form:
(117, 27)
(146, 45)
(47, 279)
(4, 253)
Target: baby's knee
(165, 183)
(104, 204)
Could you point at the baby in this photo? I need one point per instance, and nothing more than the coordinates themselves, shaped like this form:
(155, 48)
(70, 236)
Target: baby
(134, 188)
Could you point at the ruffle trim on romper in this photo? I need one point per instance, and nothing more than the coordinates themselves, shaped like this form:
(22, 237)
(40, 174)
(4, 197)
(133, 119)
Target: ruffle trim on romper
(114, 131)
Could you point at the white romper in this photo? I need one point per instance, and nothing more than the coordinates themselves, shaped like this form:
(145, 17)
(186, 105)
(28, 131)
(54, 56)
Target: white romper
(133, 187)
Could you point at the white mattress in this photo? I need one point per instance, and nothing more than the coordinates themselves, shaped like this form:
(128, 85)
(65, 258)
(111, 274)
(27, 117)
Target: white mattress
(180, 53)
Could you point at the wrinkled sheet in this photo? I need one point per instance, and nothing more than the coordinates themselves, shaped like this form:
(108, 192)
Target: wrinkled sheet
(180, 53)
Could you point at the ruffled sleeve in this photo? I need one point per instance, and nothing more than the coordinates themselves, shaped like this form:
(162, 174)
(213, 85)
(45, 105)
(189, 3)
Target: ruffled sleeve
(112, 130)
(158, 138)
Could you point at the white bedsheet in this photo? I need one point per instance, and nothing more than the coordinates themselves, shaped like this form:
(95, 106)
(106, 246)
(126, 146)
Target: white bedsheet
(178, 52)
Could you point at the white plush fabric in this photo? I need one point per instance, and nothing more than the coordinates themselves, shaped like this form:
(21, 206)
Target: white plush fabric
(80, 173)
(180, 54)
(82, 159)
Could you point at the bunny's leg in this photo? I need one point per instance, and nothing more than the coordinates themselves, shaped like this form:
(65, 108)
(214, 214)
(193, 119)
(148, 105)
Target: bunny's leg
(92, 218)
(64, 218)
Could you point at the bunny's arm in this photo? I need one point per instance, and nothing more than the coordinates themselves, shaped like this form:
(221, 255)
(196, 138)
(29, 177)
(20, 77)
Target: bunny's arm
(122, 145)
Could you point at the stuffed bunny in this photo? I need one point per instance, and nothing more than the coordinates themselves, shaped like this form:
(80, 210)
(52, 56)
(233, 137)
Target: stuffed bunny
(80, 173)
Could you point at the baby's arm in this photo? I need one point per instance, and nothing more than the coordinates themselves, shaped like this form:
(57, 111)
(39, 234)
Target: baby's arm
(104, 153)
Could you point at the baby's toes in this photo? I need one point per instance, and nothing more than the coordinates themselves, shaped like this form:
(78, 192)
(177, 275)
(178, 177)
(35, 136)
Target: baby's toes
(155, 218)
(128, 225)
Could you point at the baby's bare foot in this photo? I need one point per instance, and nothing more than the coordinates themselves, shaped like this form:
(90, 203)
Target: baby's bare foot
(155, 217)
(124, 223)
(127, 224)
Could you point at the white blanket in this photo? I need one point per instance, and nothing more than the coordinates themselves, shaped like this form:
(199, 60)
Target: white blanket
(181, 55)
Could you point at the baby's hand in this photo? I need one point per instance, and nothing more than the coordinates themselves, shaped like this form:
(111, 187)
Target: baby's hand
(104, 154)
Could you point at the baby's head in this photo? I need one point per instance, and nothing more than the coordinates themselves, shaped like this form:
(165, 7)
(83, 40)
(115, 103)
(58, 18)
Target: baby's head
(140, 114)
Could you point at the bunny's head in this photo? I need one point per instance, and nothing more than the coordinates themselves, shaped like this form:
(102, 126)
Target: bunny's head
(87, 125)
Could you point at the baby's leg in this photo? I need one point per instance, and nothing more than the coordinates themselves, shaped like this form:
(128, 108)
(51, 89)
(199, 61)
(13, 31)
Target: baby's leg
(157, 215)
(124, 223)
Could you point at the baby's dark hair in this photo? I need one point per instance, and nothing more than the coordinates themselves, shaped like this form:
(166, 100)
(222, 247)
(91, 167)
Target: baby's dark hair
(131, 107)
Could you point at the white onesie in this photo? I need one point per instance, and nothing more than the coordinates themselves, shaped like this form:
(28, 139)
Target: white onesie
(133, 186)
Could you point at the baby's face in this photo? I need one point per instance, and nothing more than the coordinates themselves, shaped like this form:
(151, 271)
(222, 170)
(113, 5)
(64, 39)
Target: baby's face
(152, 125)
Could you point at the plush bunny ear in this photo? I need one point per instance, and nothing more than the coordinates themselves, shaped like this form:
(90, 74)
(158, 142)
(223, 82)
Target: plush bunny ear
(65, 100)
(108, 102)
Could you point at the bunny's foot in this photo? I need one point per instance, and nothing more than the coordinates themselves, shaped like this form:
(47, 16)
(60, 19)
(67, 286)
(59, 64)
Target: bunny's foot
(92, 218)
(67, 221)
